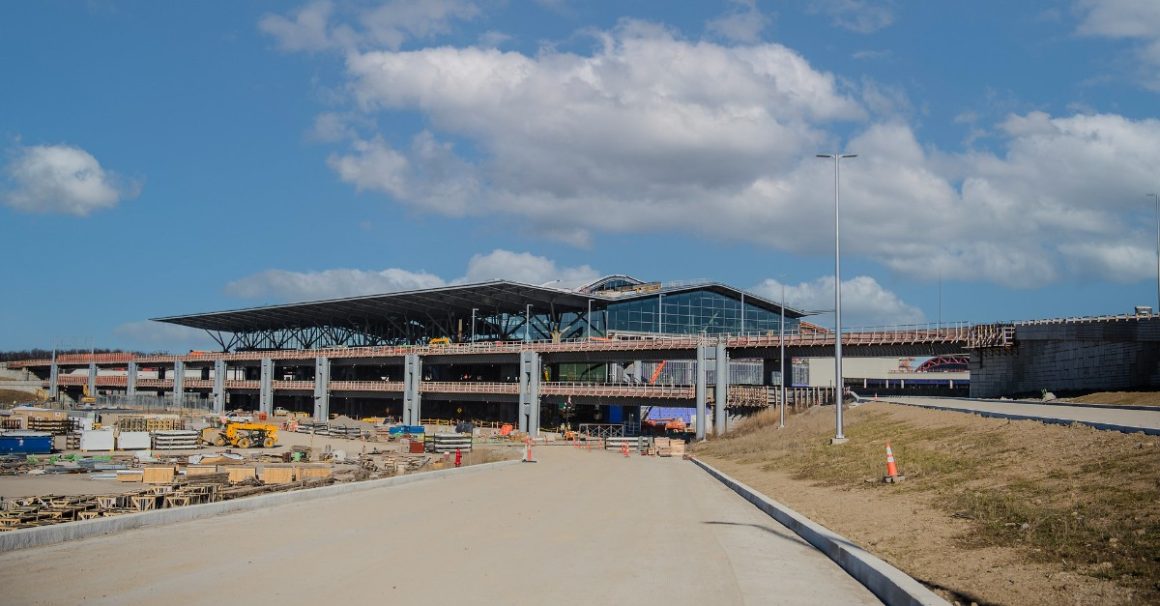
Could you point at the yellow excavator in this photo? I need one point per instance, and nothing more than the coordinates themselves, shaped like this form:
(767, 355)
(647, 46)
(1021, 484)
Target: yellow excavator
(242, 435)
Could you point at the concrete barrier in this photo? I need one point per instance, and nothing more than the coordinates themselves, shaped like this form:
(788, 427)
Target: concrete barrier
(890, 584)
(71, 531)
(1151, 431)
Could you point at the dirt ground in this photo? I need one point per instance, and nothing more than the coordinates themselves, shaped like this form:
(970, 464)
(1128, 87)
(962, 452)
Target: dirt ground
(1135, 398)
(992, 511)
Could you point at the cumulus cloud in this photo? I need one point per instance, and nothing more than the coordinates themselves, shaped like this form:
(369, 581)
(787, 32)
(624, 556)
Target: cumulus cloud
(314, 27)
(1137, 20)
(150, 336)
(742, 23)
(653, 132)
(526, 268)
(61, 179)
(862, 16)
(282, 285)
(864, 301)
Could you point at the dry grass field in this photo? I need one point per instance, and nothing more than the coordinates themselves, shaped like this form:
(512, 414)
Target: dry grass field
(992, 511)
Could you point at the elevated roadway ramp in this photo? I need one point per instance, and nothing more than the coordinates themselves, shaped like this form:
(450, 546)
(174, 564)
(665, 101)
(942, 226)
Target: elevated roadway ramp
(579, 527)
(1100, 417)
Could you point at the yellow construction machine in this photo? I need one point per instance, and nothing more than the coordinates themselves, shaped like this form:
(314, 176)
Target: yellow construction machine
(242, 435)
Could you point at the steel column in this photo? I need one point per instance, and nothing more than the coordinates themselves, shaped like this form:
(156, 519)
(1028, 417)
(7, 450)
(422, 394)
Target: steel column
(266, 387)
(530, 368)
(92, 384)
(321, 389)
(179, 384)
(53, 379)
(131, 380)
(412, 379)
(721, 388)
(702, 378)
(219, 387)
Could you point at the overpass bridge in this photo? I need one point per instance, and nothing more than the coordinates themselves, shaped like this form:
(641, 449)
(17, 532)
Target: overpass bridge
(525, 374)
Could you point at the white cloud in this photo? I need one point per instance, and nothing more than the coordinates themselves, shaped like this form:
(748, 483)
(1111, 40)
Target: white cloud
(864, 301)
(862, 16)
(282, 285)
(742, 23)
(389, 24)
(152, 336)
(1127, 19)
(61, 179)
(651, 132)
(526, 268)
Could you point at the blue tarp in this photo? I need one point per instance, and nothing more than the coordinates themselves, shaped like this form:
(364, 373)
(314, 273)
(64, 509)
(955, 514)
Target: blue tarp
(402, 429)
(661, 412)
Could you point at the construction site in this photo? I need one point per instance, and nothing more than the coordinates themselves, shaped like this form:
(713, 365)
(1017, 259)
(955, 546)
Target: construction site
(621, 382)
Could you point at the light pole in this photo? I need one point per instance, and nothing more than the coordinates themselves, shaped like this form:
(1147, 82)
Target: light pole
(528, 323)
(1157, 197)
(839, 387)
(781, 357)
(473, 310)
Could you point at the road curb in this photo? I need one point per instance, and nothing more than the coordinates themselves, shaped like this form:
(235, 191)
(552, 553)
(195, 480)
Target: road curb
(72, 531)
(1151, 431)
(888, 583)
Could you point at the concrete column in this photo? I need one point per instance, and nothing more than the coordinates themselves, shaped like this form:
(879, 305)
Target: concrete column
(131, 380)
(702, 371)
(53, 380)
(266, 387)
(412, 380)
(321, 389)
(721, 388)
(219, 387)
(92, 379)
(179, 383)
(529, 409)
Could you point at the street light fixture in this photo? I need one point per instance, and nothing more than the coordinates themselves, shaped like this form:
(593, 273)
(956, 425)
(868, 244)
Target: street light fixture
(781, 358)
(839, 386)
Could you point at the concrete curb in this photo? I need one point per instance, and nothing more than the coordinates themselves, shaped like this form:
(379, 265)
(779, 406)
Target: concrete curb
(890, 584)
(1151, 431)
(1042, 402)
(71, 531)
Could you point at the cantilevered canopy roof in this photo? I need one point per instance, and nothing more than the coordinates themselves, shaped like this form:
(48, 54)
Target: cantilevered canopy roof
(495, 297)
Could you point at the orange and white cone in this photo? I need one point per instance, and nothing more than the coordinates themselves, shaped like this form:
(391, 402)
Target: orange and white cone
(891, 469)
(528, 451)
(624, 449)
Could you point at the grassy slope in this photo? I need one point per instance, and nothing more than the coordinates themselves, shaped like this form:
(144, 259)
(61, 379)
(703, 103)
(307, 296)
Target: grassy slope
(1076, 499)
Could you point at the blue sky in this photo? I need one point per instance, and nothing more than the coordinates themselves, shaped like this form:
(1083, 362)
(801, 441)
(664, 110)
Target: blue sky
(158, 159)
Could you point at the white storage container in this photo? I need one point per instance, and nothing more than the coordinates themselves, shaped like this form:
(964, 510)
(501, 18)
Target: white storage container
(133, 440)
(97, 440)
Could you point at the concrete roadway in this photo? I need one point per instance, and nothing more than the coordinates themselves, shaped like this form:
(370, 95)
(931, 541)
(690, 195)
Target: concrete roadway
(578, 527)
(1096, 416)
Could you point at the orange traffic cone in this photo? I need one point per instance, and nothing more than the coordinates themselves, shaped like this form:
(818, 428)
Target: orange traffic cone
(528, 451)
(624, 450)
(891, 469)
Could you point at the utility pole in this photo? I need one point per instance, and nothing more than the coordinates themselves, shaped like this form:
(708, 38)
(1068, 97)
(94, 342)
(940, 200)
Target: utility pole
(839, 386)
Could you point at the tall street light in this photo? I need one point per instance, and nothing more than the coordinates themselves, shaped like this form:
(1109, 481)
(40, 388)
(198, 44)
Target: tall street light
(781, 358)
(839, 387)
(1157, 197)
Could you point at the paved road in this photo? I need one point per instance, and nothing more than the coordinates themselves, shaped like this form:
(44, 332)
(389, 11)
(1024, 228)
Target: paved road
(579, 527)
(1109, 418)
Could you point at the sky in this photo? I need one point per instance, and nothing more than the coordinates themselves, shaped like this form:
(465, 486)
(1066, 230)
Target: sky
(160, 159)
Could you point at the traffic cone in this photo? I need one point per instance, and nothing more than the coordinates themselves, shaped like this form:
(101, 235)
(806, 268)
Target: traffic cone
(528, 451)
(624, 450)
(891, 476)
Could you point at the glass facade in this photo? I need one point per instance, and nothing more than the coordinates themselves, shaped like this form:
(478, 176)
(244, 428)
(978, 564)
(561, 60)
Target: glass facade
(694, 312)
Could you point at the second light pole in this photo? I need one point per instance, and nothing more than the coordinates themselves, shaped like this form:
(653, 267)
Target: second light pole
(839, 386)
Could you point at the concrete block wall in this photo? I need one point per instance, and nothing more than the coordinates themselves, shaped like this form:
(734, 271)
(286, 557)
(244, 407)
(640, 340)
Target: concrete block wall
(1097, 356)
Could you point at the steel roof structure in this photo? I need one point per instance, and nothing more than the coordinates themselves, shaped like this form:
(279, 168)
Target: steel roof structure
(416, 315)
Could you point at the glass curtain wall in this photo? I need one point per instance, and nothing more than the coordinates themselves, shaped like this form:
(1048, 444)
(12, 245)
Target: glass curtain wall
(694, 312)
